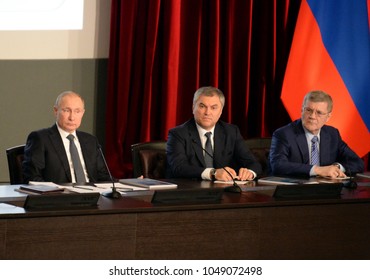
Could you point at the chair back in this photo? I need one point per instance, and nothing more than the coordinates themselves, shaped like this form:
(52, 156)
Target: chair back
(15, 157)
(260, 147)
(149, 159)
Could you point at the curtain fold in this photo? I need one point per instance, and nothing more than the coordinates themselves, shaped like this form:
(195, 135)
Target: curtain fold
(161, 51)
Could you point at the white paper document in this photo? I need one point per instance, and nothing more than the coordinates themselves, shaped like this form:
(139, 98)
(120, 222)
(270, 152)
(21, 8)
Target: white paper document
(119, 186)
(232, 182)
(35, 183)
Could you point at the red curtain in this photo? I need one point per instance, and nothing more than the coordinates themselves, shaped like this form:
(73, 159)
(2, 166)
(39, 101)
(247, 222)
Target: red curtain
(161, 51)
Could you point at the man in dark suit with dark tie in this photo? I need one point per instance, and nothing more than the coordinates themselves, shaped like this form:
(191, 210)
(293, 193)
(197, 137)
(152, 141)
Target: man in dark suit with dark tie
(61, 154)
(185, 155)
(308, 147)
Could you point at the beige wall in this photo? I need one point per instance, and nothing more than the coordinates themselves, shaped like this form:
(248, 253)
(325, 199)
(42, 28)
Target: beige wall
(31, 78)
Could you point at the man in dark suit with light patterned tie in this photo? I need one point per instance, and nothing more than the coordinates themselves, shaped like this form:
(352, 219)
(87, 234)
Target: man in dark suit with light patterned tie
(47, 153)
(293, 146)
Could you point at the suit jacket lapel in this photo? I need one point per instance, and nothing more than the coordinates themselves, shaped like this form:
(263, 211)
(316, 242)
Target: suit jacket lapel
(194, 135)
(302, 142)
(85, 150)
(324, 142)
(219, 144)
(57, 142)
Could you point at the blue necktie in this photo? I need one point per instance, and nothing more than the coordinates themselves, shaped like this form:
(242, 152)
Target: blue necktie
(207, 158)
(77, 166)
(315, 159)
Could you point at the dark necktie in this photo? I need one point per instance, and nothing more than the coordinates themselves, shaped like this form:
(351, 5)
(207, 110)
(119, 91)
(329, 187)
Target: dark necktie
(315, 151)
(208, 157)
(77, 166)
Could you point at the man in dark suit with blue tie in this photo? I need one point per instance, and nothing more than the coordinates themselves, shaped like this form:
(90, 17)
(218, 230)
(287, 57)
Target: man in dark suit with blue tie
(48, 155)
(226, 149)
(308, 147)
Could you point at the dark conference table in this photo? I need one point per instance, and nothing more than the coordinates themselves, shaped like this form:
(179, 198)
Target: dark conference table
(252, 225)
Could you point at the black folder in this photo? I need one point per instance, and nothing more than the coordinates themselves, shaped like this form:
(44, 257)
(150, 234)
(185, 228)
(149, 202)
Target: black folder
(61, 201)
(185, 196)
(327, 190)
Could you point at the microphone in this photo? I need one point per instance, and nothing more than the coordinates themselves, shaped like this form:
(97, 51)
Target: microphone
(235, 187)
(113, 193)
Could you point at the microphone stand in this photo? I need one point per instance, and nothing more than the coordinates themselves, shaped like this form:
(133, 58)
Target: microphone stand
(235, 188)
(113, 193)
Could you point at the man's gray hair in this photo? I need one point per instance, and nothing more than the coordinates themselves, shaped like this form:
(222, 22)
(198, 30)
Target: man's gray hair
(65, 93)
(318, 96)
(209, 91)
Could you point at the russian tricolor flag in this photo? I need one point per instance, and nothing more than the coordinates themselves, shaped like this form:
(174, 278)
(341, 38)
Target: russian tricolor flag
(331, 52)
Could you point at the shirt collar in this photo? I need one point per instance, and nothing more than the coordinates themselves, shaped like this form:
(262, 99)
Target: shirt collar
(202, 131)
(64, 133)
(309, 135)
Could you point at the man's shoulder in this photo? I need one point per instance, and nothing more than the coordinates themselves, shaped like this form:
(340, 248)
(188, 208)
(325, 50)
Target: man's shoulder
(227, 128)
(44, 131)
(295, 126)
(330, 129)
(86, 135)
(226, 125)
(184, 126)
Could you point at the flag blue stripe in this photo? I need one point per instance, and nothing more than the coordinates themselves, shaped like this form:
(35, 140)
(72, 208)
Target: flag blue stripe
(345, 32)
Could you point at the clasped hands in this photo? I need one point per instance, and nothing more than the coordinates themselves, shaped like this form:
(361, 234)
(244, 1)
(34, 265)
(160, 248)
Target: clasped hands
(243, 175)
(330, 171)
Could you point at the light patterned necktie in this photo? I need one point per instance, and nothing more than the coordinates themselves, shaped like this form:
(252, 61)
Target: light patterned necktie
(77, 166)
(208, 157)
(315, 160)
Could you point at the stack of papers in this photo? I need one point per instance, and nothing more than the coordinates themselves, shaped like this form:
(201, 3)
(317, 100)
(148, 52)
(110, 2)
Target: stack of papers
(148, 184)
(297, 181)
(40, 188)
(101, 188)
(232, 182)
(125, 185)
(284, 181)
